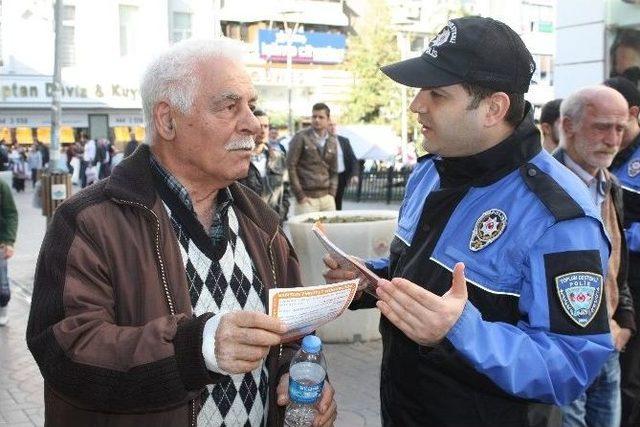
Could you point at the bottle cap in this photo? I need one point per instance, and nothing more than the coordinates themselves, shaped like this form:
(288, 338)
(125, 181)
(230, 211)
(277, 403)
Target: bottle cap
(311, 344)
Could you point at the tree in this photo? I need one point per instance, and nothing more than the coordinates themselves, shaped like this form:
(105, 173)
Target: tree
(373, 94)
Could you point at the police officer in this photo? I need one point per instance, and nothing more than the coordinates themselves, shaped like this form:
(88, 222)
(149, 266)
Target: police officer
(626, 167)
(496, 295)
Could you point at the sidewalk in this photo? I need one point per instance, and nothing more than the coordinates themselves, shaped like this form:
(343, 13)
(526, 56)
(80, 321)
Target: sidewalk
(354, 369)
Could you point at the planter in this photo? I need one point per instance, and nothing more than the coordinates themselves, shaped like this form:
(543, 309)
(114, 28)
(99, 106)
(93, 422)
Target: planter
(369, 239)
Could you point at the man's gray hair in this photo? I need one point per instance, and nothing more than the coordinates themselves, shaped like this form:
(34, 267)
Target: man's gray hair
(171, 76)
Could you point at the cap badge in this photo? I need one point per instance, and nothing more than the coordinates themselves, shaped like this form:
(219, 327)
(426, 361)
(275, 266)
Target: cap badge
(447, 34)
(487, 229)
(634, 168)
(580, 294)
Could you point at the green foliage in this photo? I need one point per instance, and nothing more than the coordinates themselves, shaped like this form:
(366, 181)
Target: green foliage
(374, 98)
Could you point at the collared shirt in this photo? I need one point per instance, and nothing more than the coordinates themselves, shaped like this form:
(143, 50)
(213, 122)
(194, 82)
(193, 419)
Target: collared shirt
(260, 161)
(596, 184)
(222, 202)
(341, 166)
(321, 140)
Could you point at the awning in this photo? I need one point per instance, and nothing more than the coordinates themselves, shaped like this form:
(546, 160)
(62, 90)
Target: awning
(24, 135)
(5, 133)
(140, 133)
(66, 134)
(371, 142)
(121, 133)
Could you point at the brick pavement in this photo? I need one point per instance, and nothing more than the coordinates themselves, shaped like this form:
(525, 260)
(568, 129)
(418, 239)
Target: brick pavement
(353, 368)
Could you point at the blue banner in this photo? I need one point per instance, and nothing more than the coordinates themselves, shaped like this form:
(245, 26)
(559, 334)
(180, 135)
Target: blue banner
(306, 47)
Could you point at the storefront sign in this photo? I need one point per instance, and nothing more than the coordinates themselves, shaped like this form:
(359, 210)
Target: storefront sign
(13, 119)
(305, 47)
(27, 90)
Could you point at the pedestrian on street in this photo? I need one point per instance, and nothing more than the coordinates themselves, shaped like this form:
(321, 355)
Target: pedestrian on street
(34, 159)
(131, 145)
(149, 302)
(20, 171)
(491, 295)
(313, 164)
(593, 123)
(268, 176)
(626, 167)
(348, 166)
(8, 232)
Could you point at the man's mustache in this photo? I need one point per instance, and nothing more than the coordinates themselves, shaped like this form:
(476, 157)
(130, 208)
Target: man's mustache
(240, 143)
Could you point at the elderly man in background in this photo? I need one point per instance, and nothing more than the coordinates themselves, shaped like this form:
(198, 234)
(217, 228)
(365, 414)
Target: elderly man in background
(149, 304)
(593, 121)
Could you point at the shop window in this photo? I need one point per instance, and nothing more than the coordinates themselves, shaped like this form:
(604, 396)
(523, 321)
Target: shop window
(181, 26)
(128, 26)
(68, 54)
(625, 54)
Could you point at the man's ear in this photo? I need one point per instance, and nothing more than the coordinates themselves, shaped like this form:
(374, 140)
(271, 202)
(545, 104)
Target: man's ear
(634, 112)
(545, 128)
(497, 108)
(567, 126)
(164, 121)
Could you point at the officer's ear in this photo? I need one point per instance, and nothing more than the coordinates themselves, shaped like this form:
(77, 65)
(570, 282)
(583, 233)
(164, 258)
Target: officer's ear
(497, 108)
(164, 121)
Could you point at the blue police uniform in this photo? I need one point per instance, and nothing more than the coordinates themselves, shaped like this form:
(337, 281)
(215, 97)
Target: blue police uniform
(535, 327)
(626, 167)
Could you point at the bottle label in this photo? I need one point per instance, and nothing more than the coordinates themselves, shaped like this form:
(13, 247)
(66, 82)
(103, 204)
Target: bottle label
(304, 393)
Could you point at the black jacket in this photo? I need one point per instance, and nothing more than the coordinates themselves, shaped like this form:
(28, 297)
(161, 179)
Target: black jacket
(350, 159)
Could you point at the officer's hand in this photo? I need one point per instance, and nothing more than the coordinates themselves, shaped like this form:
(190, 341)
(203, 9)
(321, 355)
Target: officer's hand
(243, 339)
(326, 406)
(334, 272)
(423, 316)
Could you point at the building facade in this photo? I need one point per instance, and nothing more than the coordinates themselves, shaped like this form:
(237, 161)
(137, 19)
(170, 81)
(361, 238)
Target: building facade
(586, 37)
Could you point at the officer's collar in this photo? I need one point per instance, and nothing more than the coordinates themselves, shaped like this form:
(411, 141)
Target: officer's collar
(487, 167)
(624, 155)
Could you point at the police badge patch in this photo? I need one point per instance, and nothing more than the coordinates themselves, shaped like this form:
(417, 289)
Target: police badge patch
(580, 294)
(634, 168)
(487, 229)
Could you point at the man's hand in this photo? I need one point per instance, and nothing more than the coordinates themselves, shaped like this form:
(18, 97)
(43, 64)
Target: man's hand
(621, 336)
(335, 273)
(243, 339)
(326, 406)
(424, 317)
(7, 250)
(304, 201)
(354, 180)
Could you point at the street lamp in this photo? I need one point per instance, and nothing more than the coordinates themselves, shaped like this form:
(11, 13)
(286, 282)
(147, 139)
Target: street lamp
(290, 32)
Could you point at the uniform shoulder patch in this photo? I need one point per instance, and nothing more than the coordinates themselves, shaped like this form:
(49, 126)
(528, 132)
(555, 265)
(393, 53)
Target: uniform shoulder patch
(580, 295)
(487, 229)
(634, 168)
(575, 288)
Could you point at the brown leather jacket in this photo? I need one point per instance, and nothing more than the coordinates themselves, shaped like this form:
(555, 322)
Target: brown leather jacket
(111, 324)
(313, 171)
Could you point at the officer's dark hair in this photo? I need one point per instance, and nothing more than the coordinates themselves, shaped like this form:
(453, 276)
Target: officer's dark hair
(259, 113)
(321, 106)
(516, 101)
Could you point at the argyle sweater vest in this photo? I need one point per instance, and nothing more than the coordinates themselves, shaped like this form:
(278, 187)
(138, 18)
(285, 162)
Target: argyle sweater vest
(221, 279)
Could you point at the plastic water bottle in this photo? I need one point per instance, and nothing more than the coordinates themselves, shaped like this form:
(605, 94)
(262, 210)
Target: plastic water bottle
(306, 378)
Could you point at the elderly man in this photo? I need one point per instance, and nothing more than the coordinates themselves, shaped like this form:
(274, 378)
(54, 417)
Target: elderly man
(149, 304)
(495, 239)
(593, 122)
